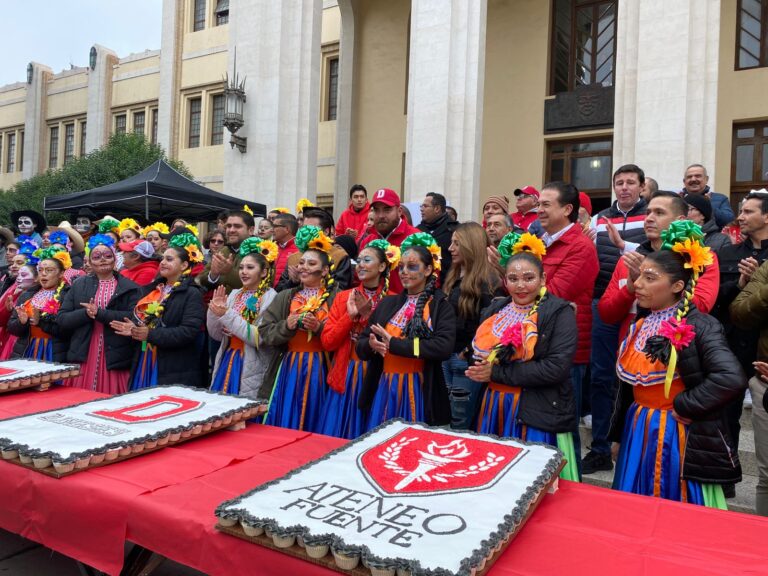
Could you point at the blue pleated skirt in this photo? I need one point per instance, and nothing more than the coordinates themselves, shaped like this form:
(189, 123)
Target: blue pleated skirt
(341, 417)
(145, 373)
(229, 373)
(498, 416)
(398, 396)
(40, 349)
(299, 393)
(651, 459)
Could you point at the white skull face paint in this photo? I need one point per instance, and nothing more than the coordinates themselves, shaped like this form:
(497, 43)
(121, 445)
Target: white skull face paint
(26, 225)
(25, 277)
(83, 225)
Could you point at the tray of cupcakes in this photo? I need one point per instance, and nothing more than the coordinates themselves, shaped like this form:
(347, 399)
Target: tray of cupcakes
(100, 432)
(25, 374)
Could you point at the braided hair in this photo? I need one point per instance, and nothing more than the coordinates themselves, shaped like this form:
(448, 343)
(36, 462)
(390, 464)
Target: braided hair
(417, 327)
(268, 279)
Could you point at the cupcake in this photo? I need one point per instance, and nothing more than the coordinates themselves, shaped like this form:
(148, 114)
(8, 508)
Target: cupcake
(25, 458)
(25, 381)
(98, 458)
(41, 462)
(82, 463)
(5, 385)
(150, 444)
(378, 568)
(14, 384)
(175, 436)
(124, 451)
(63, 467)
(9, 453)
(112, 454)
(137, 448)
(283, 540)
(186, 433)
(251, 529)
(345, 559)
(227, 521)
(217, 423)
(197, 429)
(227, 420)
(316, 550)
(207, 427)
(163, 440)
(37, 378)
(403, 572)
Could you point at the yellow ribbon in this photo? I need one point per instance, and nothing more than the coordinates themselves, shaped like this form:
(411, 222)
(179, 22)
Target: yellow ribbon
(670, 372)
(492, 356)
(416, 347)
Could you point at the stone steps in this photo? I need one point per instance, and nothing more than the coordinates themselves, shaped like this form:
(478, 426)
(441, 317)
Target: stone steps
(745, 490)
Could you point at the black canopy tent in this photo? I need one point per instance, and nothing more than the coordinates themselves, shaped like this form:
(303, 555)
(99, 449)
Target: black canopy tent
(156, 193)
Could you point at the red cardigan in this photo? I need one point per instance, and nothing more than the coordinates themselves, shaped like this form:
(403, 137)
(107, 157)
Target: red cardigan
(617, 305)
(571, 267)
(355, 220)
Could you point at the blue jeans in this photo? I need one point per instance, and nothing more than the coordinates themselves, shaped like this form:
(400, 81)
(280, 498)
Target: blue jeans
(463, 393)
(605, 345)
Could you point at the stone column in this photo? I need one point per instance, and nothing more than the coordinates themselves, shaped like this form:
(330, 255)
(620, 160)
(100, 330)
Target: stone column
(278, 50)
(445, 102)
(99, 115)
(666, 86)
(344, 125)
(35, 126)
(170, 72)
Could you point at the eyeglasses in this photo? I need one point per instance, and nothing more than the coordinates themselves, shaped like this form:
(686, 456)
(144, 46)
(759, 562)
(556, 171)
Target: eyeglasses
(45, 270)
(216, 242)
(102, 256)
(279, 226)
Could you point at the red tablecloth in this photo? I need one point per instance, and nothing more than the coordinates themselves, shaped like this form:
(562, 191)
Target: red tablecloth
(165, 501)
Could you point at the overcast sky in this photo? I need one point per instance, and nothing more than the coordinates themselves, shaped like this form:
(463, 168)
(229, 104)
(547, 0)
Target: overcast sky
(59, 33)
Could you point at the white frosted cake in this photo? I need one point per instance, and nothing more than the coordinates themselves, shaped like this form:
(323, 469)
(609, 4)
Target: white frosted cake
(25, 373)
(113, 428)
(405, 498)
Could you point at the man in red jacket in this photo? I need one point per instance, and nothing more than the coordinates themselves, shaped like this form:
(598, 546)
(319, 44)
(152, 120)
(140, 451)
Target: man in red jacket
(284, 228)
(571, 267)
(390, 225)
(139, 263)
(353, 220)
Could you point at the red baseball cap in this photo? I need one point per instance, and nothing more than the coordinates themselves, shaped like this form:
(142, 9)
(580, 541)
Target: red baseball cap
(528, 190)
(585, 202)
(386, 196)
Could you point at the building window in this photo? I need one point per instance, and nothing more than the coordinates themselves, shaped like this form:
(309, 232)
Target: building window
(217, 120)
(138, 122)
(53, 151)
(194, 122)
(333, 88)
(585, 164)
(154, 126)
(752, 34)
(10, 162)
(69, 143)
(199, 16)
(83, 126)
(1, 152)
(120, 124)
(222, 12)
(21, 151)
(583, 50)
(749, 159)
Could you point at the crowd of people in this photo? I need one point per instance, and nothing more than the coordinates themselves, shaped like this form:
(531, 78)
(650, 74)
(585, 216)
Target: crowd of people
(644, 320)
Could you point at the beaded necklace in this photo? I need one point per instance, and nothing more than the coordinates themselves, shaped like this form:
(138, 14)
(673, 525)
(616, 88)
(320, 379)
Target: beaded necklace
(651, 325)
(509, 315)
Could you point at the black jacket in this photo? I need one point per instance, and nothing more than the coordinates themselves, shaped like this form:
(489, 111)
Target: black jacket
(77, 327)
(49, 324)
(466, 327)
(712, 378)
(546, 399)
(713, 238)
(176, 334)
(743, 342)
(433, 350)
(630, 227)
(441, 230)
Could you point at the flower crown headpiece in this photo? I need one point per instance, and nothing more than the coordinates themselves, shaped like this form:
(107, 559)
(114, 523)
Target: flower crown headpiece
(193, 229)
(247, 209)
(30, 250)
(190, 243)
(57, 253)
(281, 210)
(303, 203)
(100, 240)
(255, 245)
(58, 237)
(683, 237)
(427, 241)
(312, 238)
(514, 243)
(128, 224)
(159, 227)
(109, 225)
(391, 251)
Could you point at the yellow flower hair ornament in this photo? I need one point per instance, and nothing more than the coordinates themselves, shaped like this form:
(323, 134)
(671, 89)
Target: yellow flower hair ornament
(281, 210)
(425, 240)
(312, 238)
(697, 256)
(57, 253)
(190, 244)
(391, 251)
(254, 244)
(247, 209)
(303, 203)
(515, 243)
(159, 227)
(129, 224)
(192, 228)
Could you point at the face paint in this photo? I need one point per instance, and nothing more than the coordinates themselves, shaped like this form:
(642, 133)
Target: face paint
(25, 278)
(83, 225)
(26, 225)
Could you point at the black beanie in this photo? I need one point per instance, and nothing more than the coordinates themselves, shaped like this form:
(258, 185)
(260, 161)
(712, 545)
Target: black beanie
(701, 203)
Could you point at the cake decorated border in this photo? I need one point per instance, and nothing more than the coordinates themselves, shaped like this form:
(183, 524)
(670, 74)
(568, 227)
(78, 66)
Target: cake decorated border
(39, 380)
(57, 465)
(239, 522)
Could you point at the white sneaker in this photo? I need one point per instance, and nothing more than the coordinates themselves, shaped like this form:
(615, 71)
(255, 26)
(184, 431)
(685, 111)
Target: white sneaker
(748, 399)
(588, 421)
